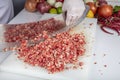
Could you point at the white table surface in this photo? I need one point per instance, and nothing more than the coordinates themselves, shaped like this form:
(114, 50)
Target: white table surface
(25, 16)
(107, 50)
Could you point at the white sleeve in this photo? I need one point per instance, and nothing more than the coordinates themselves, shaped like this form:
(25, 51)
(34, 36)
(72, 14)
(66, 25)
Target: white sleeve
(6, 11)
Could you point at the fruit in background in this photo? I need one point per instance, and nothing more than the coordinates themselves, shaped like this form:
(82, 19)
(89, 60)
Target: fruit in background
(90, 14)
(43, 7)
(92, 6)
(51, 2)
(60, 1)
(105, 10)
(59, 10)
(116, 8)
(53, 11)
(58, 4)
(30, 5)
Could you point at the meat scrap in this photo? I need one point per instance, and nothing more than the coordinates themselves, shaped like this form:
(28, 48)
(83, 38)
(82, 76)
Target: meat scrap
(38, 48)
(54, 53)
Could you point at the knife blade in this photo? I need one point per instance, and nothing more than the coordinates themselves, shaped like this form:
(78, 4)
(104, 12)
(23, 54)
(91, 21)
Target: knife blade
(28, 31)
(63, 18)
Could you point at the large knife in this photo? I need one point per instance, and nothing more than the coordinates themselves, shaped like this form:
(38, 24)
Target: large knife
(61, 17)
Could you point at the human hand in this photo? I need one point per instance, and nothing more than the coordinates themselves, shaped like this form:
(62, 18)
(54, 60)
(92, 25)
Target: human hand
(74, 9)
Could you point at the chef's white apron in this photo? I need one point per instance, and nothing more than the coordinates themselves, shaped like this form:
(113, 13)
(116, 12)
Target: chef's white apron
(6, 11)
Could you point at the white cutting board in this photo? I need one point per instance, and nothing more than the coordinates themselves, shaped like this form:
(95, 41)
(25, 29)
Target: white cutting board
(88, 27)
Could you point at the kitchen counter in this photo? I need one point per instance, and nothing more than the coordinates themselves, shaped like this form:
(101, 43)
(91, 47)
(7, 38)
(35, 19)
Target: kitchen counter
(105, 62)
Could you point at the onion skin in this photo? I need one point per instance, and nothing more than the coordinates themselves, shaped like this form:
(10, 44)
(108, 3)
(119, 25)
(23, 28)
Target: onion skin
(60, 1)
(92, 6)
(101, 2)
(105, 10)
(30, 5)
(41, 1)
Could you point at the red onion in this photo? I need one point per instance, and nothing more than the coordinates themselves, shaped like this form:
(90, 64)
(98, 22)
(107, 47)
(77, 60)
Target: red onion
(60, 1)
(101, 2)
(43, 7)
(41, 1)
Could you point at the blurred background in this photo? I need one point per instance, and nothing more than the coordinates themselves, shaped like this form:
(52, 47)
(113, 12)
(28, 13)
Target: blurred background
(18, 6)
